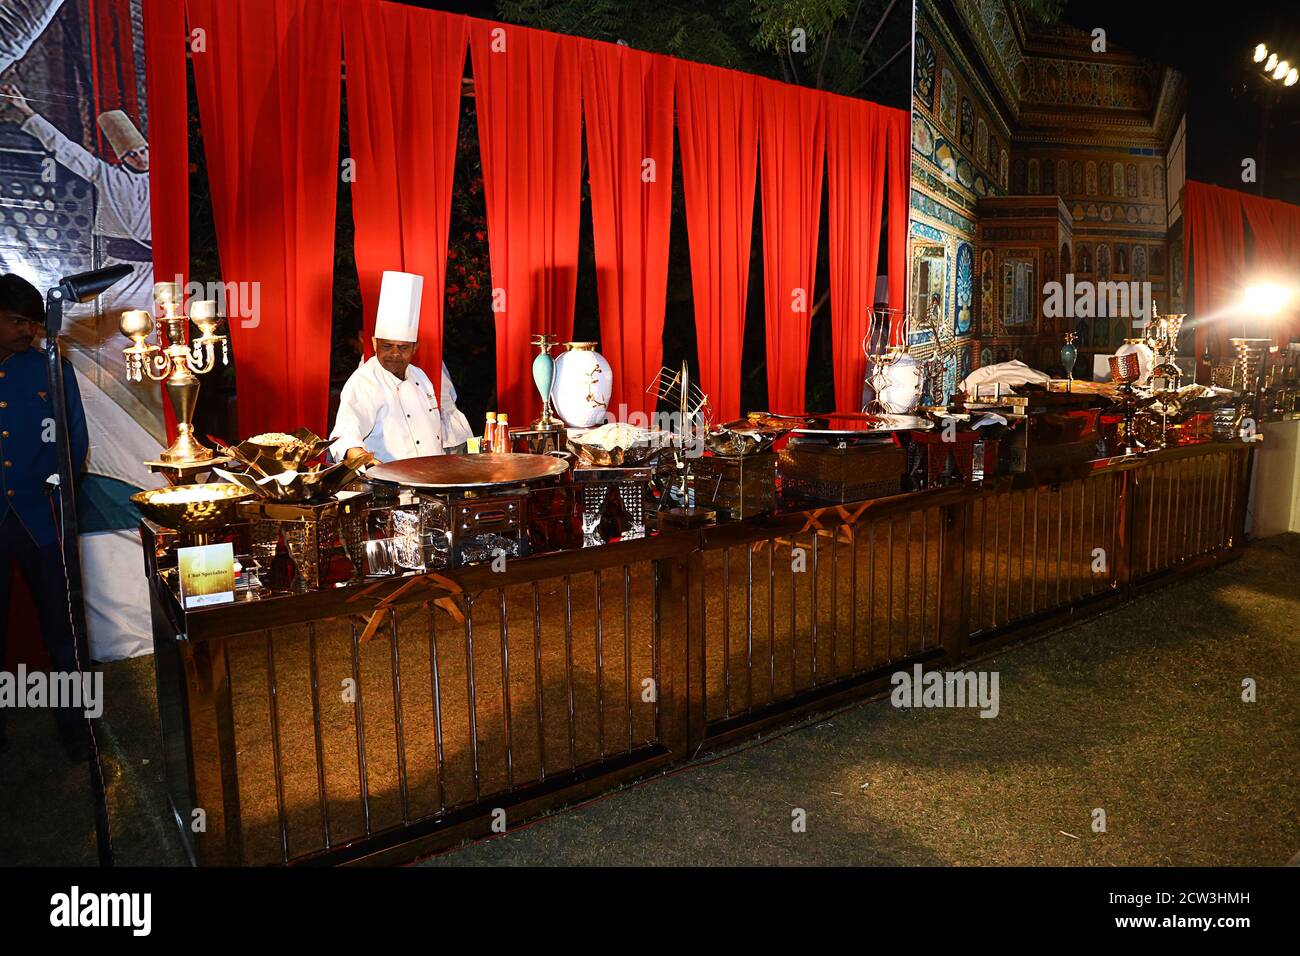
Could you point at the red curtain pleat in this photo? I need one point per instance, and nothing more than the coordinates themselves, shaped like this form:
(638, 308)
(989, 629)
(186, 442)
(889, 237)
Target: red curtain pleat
(792, 147)
(627, 100)
(268, 86)
(1275, 227)
(404, 72)
(169, 146)
(527, 93)
(898, 138)
(856, 139)
(1216, 245)
(112, 60)
(718, 125)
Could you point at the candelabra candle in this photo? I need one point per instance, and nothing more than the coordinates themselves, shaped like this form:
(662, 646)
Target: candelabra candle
(174, 360)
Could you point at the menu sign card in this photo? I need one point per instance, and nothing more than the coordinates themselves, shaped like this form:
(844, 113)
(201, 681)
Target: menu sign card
(207, 574)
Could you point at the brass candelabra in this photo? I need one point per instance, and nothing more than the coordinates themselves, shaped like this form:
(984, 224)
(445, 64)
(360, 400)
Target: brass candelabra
(175, 361)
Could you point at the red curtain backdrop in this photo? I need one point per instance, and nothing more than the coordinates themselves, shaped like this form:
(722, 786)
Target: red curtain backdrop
(792, 149)
(528, 97)
(404, 71)
(898, 140)
(717, 118)
(627, 100)
(856, 139)
(112, 63)
(268, 88)
(169, 147)
(1275, 227)
(1216, 245)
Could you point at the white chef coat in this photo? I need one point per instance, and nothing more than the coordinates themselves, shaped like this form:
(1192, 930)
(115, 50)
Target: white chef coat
(394, 418)
(121, 211)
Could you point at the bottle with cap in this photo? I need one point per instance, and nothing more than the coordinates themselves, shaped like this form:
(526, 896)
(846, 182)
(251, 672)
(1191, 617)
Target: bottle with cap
(503, 434)
(489, 442)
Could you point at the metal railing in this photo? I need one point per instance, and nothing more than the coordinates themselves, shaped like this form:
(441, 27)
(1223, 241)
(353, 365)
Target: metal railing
(380, 722)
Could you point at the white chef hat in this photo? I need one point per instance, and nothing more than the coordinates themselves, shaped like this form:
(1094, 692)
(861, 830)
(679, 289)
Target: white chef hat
(398, 317)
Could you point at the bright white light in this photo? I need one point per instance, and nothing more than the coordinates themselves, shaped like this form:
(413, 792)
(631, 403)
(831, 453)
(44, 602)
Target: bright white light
(1267, 298)
(1272, 62)
(1291, 77)
(1261, 51)
(1281, 70)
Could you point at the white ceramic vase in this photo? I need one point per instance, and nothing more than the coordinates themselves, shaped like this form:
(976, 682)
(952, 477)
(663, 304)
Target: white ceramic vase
(901, 385)
(583, 385)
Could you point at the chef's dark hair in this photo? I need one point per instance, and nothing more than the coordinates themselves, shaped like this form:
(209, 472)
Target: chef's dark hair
(20, 297)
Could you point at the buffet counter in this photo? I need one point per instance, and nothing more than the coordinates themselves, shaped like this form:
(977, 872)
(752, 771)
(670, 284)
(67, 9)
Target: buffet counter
(388, 717)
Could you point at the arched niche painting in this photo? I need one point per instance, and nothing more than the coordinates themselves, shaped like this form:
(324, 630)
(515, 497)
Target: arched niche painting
(923, 83)
(1140, 263)
(1019, 291)
(948, 101)
(965, 289)
(929, 287)
(1157, 261)
(1103, 262)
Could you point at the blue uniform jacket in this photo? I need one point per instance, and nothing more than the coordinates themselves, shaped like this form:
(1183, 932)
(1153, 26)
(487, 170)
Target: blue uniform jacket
(28, 453)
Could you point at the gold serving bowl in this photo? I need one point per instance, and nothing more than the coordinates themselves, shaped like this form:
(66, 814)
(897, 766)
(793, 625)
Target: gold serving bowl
(191, 508)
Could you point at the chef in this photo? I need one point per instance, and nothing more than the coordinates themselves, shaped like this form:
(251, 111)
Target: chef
(389, 406)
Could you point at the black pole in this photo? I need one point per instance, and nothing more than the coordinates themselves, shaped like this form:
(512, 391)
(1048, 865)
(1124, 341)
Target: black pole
(68, 540)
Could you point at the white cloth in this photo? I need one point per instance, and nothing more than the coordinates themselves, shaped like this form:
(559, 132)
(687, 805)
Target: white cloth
(121, 210)
(394, 418)
(1003, 373)
(117, 595)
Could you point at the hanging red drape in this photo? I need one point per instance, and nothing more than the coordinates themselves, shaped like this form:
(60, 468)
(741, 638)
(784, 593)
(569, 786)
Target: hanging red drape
(268, 87)
(1216, 246)
(112, 63)
(856, 140)
(627, 101)
(1275, 227)
(528, 97)
(898, 146)
(404, 72)
(717, 118)
(169, 147)
(792, 147)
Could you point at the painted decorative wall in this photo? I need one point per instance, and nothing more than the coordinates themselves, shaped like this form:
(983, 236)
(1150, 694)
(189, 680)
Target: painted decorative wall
(961, 153)
(1036, 114)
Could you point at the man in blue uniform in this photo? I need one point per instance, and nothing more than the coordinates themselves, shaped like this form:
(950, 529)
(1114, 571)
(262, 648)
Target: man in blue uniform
(29, 534)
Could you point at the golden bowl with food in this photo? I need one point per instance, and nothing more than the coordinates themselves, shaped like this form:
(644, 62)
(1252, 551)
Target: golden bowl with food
(192, 509)
(272, 453)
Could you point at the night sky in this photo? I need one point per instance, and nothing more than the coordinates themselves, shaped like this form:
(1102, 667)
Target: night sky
(1232, 112)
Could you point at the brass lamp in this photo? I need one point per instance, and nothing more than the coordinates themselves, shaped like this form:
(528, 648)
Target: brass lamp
(176, 361)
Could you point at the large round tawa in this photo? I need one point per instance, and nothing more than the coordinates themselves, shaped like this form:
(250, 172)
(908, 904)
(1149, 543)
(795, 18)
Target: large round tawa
(452, 472)
(850, 425)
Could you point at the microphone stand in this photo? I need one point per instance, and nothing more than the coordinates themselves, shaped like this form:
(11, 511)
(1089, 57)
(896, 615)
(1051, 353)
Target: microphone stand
(54, 302)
